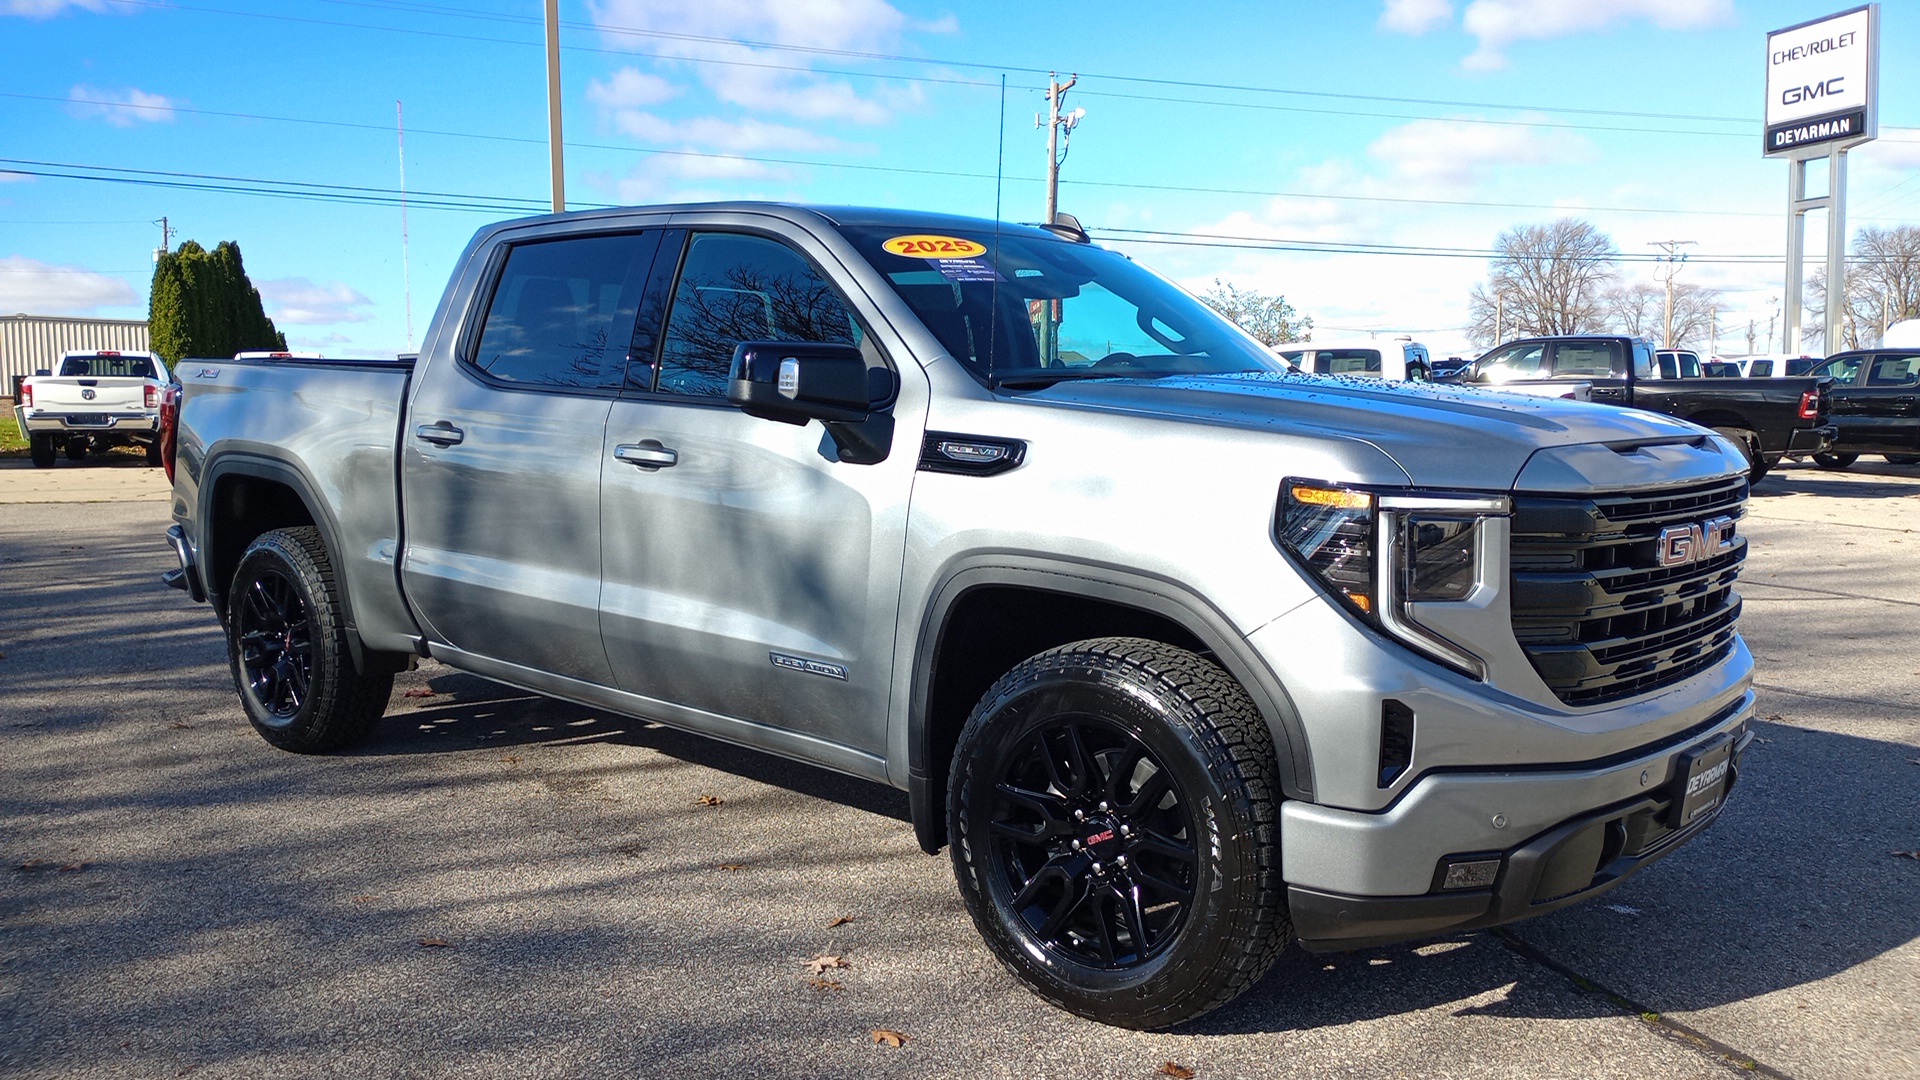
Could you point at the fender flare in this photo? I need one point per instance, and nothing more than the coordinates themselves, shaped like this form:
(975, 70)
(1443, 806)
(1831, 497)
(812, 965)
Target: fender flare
(223, 464)
(1156, 595)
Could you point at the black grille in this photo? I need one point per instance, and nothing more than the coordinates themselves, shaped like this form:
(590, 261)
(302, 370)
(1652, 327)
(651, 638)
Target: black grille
(1593, 609)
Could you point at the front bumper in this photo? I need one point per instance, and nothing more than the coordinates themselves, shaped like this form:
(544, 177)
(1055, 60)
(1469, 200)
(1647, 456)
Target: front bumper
(1812, 440)
(1570, 861)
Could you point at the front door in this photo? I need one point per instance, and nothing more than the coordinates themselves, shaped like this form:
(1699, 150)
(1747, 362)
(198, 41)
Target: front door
(750, 574)
(1887, 402)
(502, 456)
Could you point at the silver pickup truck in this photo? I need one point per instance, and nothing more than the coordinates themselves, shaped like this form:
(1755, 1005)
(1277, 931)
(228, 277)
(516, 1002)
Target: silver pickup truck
(1182, 655)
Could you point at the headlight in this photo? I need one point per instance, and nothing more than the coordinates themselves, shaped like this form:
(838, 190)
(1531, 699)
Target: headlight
(1392, 556)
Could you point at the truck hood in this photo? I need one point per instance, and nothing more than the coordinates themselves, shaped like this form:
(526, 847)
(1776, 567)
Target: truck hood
(1440, 436)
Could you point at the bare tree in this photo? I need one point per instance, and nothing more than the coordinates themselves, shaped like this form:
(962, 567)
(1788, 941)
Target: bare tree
(1268, 318)
(1636, 308)
(1546, 279)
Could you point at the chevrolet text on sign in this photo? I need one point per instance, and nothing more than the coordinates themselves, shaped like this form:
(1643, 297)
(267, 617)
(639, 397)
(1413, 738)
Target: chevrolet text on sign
(1820, 81)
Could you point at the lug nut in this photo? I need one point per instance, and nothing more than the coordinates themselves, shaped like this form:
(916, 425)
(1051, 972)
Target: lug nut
(1098, 869)
(1076, 845)
(1120, 861)
(1079, 815)
(1102, 808)
(1126, 830)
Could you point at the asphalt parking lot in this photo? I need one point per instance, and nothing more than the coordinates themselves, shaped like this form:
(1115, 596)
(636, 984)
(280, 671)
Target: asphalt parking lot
(504, 885)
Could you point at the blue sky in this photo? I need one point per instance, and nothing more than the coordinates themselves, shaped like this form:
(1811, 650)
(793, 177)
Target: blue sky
(1261, 120)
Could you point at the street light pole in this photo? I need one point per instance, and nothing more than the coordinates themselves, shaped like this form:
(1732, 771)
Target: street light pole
(553, 105)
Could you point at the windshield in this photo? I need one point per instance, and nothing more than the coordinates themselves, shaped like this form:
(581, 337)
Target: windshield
(1020, 308)
(125, 367)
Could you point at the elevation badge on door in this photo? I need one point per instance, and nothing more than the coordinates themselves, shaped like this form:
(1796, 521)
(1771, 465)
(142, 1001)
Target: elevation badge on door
(811, 667)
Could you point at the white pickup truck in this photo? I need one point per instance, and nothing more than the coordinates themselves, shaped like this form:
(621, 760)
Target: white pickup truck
(97, 399)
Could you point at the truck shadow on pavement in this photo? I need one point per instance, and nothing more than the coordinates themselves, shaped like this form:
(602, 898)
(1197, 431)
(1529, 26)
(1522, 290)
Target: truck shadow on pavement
(1797, 881)
(1887, 481)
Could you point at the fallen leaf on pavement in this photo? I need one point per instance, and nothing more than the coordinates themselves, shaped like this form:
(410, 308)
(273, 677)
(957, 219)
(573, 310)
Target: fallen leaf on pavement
(435, 943)
(511, 759)
(73, 866)
(1178, 1072)
(421, 691)
(823, 962)
(1913, 761)
(841, 921)
(179, 725)
(709, 800)
(887, 1037)
(733, 866)
(819, 983)
(1895, 854)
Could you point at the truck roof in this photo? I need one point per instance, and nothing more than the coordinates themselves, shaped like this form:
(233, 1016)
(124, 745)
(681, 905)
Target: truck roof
(801, 213)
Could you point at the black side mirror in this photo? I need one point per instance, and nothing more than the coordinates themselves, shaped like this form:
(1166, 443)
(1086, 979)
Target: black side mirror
(797, 381)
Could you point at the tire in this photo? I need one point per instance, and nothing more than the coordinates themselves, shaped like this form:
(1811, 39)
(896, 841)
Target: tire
(1835, 461)
(1903, 459)
(153, 452)
(1049, 808)
(287, 647)
(77, 449)
(42, 450)
(1749, 444)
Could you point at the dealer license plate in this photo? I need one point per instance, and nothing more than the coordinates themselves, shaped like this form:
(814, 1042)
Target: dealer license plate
(1702, 780)
(87, 419)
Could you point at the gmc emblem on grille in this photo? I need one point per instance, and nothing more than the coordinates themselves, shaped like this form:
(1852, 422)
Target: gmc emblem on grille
(1682, 544)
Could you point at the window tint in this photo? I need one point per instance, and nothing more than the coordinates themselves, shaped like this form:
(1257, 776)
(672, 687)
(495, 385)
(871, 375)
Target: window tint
(1642, 361)
(1594, 358)
(1347, 362)
(111, 367)
(1894, 371)
(737, 288)
(1517, 362)
(1842, 368)
(1762, 369)
(562, 312)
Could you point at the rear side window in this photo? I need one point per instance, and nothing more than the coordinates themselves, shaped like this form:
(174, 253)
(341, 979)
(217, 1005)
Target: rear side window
(1594, 358)
(562, 312)
(1347, 362)
(736, 288)
(1894, 371)
(108, 367)
(1842, 368)
(1762, 369)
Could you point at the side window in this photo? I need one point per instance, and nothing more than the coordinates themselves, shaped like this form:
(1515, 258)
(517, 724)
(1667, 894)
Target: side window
(1518, 362)
(1359, 362)
(1642, 361)
(1762, 369)
(736, 288)
(1843, 369)
(1894, 371)
(1590, 359)
(562, 311)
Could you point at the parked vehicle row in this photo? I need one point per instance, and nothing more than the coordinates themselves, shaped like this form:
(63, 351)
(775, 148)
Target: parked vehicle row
(1876, 405)
(992, 514)
(1766, 418)
(93, 401)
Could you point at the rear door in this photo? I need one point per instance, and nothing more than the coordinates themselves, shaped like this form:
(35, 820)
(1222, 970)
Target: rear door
(500, 469)
(1887, 401)
(1598, 361)
(750, 574)
(1846, 405)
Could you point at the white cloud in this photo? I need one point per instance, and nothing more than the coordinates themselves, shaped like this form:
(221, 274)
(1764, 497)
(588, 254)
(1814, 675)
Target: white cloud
(123, 108)
(1415, 16)
(1499, 23)
(1455, 156)
(47, 9)
(7, 176)
(658, 178)
(303, 302)
(630, 88)
(716, 133)
(38, 288)
(710, 30)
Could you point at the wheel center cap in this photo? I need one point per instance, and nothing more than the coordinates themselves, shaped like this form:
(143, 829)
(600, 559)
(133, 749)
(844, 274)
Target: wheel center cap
(1104, 837)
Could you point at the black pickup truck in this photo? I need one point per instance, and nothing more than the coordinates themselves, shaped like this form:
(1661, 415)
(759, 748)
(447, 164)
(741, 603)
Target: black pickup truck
(1876, 405)
(1766, 418)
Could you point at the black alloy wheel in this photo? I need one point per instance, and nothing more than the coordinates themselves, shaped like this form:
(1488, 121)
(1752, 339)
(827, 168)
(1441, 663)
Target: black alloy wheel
(1835, 460)
(276, 645)
(1092, 843)
(288, 647)
(1113, 809)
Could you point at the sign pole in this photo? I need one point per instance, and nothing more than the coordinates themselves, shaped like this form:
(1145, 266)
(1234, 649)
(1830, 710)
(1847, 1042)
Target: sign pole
(1836, 247)
(1796, 253)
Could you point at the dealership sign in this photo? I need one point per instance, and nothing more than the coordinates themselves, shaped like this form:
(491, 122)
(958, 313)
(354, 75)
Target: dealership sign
(1823, 83)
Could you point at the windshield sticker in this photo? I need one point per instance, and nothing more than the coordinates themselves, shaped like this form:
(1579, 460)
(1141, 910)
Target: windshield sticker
(966, 269)
(923, 246)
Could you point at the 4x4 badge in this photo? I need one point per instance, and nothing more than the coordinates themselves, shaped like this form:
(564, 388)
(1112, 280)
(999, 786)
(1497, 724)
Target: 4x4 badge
(1682, 544)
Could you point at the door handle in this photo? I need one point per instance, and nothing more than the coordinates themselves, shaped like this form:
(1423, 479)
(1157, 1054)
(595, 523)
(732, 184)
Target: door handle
(439, 433)
(647, 454)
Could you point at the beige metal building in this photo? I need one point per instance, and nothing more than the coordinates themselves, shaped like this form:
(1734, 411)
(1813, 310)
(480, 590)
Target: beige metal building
(31, 342)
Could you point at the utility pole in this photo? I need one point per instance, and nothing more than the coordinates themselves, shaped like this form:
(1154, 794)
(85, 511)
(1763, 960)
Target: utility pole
(1499, 317)
(553, 105)
(1773, 315)
(1713, 330)
(166, 239)
(1059, 129)
(1672, 262)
